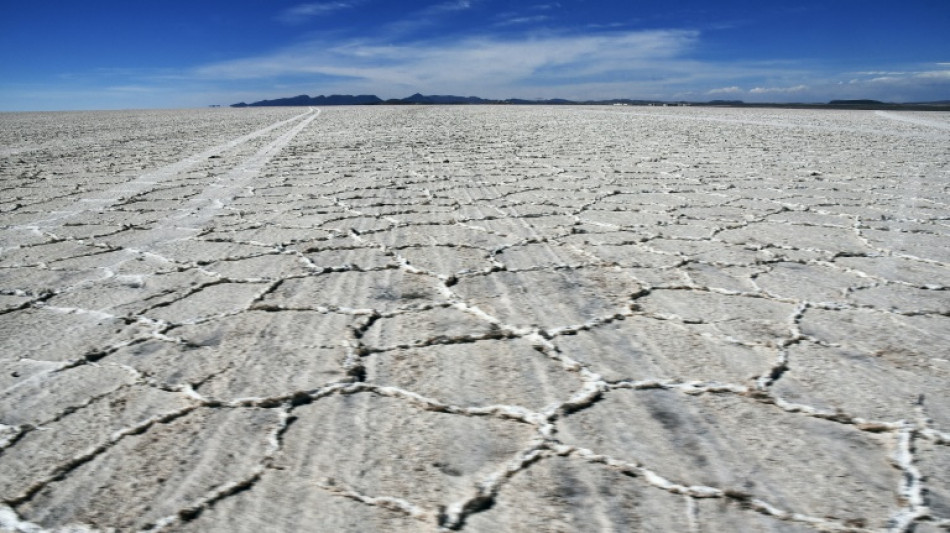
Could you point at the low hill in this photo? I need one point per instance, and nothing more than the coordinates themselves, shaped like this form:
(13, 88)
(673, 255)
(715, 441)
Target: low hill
(448, 99)
(303, 100)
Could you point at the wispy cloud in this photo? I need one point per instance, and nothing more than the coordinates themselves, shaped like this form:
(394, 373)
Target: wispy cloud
(779, 90)
(606, 26)
(935, 74)
(925, 82)
(490, 65)
(447, 7)
(929, 82)
(426, 17)
(635, 64)
(726, 90)
(141, 89)
(942, 72)
(304, 12)
(514, 21)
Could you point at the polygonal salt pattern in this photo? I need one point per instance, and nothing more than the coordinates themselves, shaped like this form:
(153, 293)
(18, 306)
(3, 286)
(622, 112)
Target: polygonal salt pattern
(474, 318)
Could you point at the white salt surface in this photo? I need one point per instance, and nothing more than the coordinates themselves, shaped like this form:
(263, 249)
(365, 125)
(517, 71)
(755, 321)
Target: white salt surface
(475, 318)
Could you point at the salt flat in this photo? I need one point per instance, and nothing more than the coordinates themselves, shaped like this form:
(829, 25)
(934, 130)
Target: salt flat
(475, 318)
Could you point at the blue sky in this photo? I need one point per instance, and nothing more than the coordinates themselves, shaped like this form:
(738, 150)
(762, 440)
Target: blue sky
(104, 54)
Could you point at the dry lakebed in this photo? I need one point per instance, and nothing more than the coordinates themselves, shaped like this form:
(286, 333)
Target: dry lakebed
(475, 318)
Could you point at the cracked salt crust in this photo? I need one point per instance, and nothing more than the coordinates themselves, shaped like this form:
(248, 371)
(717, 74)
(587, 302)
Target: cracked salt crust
(474, 319)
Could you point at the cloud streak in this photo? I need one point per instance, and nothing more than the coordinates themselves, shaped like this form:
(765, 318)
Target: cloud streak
(303, 12)
(779, 90)
(907, 85)
(448, 7)
(427, 17)
(649, 64)
(726, 90)
(633, 64)
(514, 21)
(489, 64)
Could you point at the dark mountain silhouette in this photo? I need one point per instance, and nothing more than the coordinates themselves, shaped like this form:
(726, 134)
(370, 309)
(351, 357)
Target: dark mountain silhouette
(447, 99)
(303, 99)
(856, 102)
(431, 99)
(444, 99)
(552, 101)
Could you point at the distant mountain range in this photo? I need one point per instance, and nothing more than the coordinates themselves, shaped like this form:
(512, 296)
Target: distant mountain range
(444, 99)
(370, 99)
(303, 99)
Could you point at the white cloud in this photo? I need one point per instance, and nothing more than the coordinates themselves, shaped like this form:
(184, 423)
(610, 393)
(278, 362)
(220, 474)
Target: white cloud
(303, 12)
(632, 64)
(513, 21)
(492, 66)
(901, 76)
(935, 74)
(429, 16)
(455, 5)
(779, 90)
(141, 89)
(881, 73)
(446, 7)
(726, 90)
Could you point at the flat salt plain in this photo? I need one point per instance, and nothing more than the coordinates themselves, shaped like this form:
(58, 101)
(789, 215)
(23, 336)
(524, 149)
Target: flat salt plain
(475, 318)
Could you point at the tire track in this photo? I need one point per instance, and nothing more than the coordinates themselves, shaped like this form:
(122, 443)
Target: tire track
(481, 375)
(913, 120)
(113, 196)
(219, 194)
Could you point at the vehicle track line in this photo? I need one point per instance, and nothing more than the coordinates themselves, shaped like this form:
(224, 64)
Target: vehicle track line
(220, 193)
(110, 197)
(217, 195)
(913, 120)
